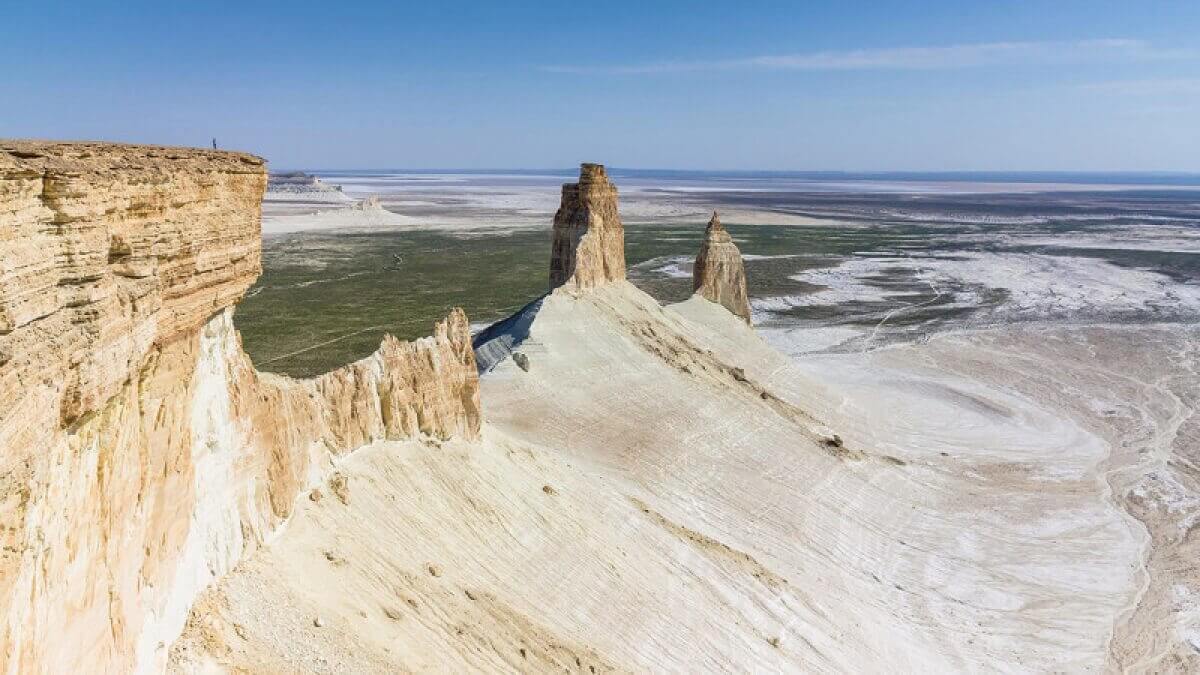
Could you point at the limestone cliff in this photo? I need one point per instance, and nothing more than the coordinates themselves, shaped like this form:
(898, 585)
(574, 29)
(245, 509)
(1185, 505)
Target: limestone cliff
(589, 240)
(107, 252)
(719, 274)
(141, 455)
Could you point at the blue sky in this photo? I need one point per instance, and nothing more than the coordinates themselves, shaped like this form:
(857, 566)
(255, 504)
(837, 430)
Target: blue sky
(834, 85)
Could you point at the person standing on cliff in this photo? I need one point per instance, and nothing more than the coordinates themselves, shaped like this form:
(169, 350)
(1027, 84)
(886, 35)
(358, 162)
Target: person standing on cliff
(214, 143)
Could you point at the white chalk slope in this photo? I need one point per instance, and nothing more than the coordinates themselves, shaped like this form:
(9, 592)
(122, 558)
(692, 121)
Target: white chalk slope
(659, 490)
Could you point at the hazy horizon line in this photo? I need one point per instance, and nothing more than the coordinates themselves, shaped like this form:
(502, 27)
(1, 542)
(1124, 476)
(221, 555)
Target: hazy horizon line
(813, 172)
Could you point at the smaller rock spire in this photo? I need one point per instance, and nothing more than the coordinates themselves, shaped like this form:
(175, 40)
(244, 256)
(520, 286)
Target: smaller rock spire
(719, 274)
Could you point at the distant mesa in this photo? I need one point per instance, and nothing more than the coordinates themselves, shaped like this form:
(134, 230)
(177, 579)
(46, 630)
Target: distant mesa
(719, 274)
(589, 239)
(298, 181)
(297, 185)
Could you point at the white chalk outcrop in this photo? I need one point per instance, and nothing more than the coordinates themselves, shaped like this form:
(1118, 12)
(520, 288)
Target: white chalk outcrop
(141, 455)
(656, 489)
(365, 214)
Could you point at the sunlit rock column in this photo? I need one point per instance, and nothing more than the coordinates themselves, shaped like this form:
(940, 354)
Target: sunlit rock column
(589, 239)
(719, 274)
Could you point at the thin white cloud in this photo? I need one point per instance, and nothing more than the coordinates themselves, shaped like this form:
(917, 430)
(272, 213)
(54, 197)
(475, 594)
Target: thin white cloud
(913, 58)
(1149, 87)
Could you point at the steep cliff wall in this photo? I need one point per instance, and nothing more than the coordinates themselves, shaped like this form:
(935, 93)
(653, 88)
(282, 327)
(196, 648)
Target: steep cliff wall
(109, 250)
(141, 455)
(719, 274)
(589, 240)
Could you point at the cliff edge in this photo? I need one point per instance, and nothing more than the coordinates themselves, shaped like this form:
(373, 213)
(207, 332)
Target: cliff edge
(141, 454)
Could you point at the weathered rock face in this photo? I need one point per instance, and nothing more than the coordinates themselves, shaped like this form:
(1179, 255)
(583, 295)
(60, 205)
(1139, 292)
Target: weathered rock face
(141, 455)
(589, 239)
(108, 251)
(719, 274)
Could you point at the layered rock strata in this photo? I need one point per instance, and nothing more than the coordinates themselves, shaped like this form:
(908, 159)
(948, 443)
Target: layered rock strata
(141, 455)
(589, 240)
(109, 251)
(719, 274)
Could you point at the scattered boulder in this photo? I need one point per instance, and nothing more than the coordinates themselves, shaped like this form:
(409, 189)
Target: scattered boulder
(521, 360)
(339, 485)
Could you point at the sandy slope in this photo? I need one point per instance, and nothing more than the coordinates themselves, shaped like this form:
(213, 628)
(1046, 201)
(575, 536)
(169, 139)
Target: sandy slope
(658, 492)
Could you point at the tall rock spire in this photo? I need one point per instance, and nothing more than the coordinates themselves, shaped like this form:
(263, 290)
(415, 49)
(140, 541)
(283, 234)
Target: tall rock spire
(589, 239)
(718, 274)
